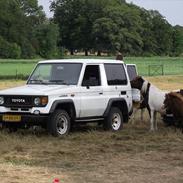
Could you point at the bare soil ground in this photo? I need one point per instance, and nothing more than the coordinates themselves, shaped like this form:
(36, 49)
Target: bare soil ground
(91, 155)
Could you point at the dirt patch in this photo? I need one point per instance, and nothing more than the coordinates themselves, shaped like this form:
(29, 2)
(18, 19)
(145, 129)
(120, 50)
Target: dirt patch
(9, 84)
(21, 174)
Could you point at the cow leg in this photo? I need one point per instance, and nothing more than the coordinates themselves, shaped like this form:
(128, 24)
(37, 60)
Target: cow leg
(155, 121)
(142, 114)
(133, 115)
(152, 121)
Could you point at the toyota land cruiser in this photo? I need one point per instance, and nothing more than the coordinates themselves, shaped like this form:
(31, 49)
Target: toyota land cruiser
(60, 93)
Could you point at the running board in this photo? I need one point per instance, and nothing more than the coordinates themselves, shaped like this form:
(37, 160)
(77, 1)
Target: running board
(89, 120)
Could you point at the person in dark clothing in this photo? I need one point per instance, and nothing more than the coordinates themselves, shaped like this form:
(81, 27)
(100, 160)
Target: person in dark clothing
(119, 56)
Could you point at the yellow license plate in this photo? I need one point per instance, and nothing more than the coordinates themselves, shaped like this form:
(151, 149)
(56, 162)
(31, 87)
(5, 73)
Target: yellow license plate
(11, 118)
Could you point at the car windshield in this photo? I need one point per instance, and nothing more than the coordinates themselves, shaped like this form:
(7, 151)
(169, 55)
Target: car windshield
(56, 73)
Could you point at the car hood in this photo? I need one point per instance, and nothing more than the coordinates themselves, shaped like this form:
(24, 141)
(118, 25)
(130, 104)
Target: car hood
(37, 90)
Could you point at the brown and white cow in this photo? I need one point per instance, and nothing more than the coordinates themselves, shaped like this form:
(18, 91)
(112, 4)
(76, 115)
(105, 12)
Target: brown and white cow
(153, 99)
(174, 103)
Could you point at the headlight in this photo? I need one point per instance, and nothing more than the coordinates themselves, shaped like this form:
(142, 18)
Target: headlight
(37, 101)
(41, 101)
(1, 100)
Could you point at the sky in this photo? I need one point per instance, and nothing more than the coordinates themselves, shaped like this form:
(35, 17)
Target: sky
(172, 10)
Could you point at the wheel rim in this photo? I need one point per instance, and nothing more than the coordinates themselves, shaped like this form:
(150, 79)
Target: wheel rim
(62, 124)
(116, 121)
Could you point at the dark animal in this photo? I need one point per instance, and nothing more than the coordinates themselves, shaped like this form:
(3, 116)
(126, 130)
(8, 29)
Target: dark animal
(119, 56)
(174, 103)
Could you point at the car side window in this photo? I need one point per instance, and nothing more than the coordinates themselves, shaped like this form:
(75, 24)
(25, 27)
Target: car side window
(91, 76)
(116, 74)
(131, 69)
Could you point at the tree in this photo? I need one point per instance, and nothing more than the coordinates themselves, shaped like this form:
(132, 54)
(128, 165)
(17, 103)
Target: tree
(75, 19)
(104, 32)
(25, 29)
(45, 42)
(177, 41)
(162, 32)
(9, 50)
(112, 25)
(119, 30)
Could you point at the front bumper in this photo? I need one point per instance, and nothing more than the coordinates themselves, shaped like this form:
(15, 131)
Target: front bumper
(31, 119)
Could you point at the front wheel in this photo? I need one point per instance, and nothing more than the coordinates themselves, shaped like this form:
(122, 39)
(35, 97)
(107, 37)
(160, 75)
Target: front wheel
(60, 123)
(114, 121)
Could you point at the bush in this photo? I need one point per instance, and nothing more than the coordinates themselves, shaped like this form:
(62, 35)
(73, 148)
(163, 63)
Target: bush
(28, 50)
(9, 50)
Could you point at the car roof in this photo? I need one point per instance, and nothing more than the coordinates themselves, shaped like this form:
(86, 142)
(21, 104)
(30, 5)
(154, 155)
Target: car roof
(87, 61)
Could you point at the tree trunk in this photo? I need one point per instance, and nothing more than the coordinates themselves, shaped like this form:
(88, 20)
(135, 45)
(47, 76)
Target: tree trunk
(72, 52)
(99, 53)
(86, 52)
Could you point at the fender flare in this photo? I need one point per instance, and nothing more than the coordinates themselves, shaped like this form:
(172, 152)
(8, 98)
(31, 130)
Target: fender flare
(63, 101)
(123, 107)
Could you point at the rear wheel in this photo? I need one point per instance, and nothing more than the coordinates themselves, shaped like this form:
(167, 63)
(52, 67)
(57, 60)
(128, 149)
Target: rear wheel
(60, 123)
(114, 121)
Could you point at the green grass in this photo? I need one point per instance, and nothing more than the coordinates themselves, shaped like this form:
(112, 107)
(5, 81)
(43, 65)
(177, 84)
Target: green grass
(171, 65)
(16, 68)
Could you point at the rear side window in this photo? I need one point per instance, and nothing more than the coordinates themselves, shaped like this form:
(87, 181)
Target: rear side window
(131, 72)
(116, 74)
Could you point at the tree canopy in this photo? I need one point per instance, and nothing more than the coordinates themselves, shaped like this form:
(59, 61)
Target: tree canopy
(20, 22)
(114, 25)
(84, 25)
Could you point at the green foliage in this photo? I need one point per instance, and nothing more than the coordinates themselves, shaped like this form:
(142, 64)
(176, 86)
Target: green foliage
(9, 50)
(112, 25)
(178, 41)
(85, 25)
(46, 36)
(25, 31)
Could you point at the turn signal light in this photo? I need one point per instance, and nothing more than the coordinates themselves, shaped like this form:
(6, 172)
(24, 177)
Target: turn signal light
(44, 100)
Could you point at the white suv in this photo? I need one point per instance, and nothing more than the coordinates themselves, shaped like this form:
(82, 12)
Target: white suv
(60, 93)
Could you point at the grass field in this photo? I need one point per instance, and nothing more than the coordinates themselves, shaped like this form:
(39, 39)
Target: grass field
(90, 155)
(171, 65)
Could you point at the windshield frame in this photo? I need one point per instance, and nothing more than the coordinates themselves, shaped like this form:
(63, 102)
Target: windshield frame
(46, 82)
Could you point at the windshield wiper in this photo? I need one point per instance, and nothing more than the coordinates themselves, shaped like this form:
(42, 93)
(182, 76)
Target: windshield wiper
(37, 81)
(58, 82)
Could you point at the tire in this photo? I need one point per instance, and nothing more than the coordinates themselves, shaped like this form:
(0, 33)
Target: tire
(59, 124)
(114, 120)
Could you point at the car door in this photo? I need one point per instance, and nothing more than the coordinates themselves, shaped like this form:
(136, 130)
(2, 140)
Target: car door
(92, 100)
(118, 82)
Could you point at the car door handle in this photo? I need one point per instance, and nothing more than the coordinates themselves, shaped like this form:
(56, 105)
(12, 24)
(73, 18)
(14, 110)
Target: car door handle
(123, 92)
(101, 93)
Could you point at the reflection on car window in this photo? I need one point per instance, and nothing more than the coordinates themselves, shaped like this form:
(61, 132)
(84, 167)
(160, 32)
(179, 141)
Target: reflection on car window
(56, 73)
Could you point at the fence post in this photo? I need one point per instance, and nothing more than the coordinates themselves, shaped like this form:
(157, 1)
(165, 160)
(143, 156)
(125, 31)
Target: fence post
(16, 74)
(163, 70)
(148, 70)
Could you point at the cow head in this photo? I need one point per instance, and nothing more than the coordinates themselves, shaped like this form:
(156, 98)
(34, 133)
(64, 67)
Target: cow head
(137, 82)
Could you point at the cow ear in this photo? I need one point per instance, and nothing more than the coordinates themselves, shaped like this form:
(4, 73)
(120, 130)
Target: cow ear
(141, 79)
